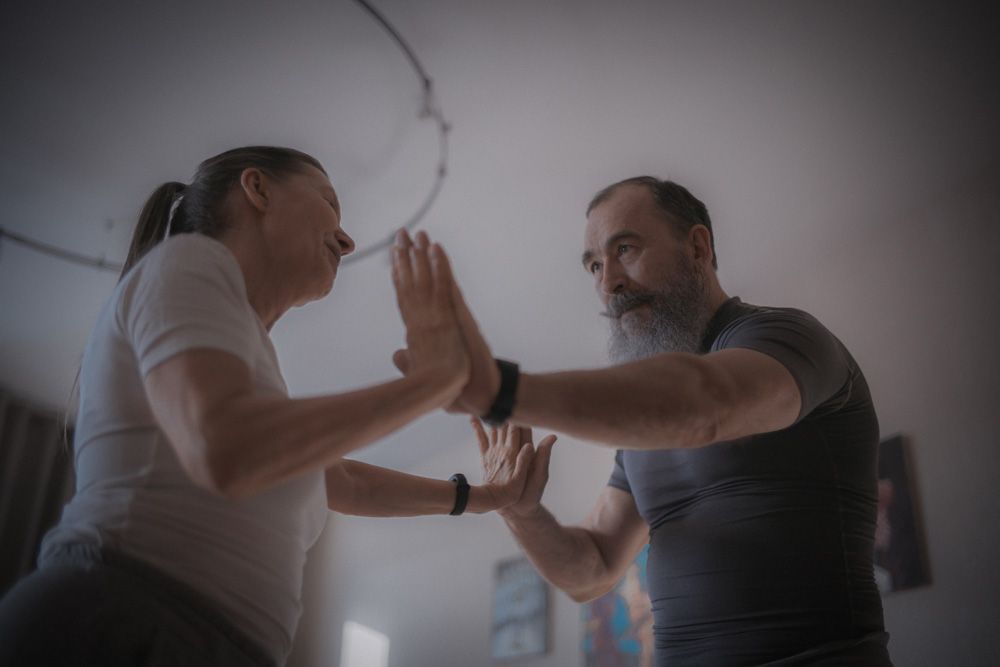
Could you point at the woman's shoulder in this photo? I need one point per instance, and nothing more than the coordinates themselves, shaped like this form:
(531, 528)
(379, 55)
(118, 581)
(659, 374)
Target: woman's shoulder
(192, 249)
(191, 265)
(191, 254)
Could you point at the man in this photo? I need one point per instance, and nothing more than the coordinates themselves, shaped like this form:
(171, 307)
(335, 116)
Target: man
(747, 451)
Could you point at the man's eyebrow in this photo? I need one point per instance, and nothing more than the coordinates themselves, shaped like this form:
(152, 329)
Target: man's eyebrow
(613, 239)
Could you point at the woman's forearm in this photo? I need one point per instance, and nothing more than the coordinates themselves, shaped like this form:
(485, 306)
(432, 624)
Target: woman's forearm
(253, 442)
(361, 489)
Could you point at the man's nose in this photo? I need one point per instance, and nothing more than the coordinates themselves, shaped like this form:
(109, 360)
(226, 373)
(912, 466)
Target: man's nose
(613, 281)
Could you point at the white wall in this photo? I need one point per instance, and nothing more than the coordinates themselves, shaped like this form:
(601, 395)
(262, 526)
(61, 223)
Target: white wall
(913, 299)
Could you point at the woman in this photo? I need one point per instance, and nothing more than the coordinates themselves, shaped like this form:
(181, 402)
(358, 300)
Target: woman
(200, 484)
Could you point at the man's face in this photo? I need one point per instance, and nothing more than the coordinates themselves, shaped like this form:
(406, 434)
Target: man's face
(646, 276)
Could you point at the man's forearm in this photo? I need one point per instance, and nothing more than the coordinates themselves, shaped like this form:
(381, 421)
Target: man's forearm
(655, 404)
(565, 555)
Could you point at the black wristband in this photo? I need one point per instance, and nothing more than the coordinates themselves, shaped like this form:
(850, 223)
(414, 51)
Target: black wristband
(461, 493)
(503, 404)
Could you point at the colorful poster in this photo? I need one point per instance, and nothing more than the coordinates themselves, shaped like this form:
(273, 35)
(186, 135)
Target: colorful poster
(618, 626)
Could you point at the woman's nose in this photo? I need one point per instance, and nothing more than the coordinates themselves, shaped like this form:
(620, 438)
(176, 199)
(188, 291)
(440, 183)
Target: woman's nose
(346, 242)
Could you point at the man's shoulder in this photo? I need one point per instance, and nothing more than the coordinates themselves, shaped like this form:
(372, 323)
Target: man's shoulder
(747, 319)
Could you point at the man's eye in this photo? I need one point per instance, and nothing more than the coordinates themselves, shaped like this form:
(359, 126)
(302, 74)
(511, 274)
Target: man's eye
(594, 267)
(623, 248)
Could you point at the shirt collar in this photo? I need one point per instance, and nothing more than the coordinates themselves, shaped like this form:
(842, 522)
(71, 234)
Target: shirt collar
(730, 309)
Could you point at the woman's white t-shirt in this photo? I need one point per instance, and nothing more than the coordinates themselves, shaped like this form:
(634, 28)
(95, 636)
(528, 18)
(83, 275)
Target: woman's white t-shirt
(132, 493)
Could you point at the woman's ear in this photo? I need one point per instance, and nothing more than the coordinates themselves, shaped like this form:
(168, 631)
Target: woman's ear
(255, 188)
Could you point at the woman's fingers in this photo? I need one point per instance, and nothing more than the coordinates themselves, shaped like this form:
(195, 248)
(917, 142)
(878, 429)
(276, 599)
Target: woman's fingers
(402, 271)
(403, 239)
(422, 265)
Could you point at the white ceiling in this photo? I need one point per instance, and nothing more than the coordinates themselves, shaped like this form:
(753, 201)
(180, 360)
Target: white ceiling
(797, 122)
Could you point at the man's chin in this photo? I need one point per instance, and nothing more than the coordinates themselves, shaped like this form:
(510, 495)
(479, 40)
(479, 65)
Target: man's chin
(636, 320)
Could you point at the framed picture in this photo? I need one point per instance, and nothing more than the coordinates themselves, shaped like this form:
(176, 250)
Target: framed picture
(618, 626)
(899, 538)
(520, 611)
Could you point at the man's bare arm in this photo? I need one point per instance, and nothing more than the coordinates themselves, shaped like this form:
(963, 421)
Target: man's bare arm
(669, 401)
(585, 561)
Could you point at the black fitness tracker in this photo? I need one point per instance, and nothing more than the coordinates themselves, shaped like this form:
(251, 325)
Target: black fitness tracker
(461, 493)
(503, 404)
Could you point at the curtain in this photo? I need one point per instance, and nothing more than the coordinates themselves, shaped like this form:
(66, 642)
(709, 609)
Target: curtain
(36, 480)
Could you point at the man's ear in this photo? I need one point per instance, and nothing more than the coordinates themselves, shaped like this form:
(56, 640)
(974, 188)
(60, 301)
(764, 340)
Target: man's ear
(701, 242)
(254, 184)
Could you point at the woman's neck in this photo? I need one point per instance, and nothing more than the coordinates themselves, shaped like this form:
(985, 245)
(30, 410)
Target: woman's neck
(267, 295)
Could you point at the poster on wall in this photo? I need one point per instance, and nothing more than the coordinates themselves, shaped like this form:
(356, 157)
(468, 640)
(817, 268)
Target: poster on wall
(899, 540)
(618, 626)
(520, 611)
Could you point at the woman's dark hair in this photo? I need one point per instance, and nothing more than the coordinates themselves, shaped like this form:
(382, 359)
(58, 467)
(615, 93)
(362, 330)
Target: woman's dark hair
(680, 207)
(197, 207)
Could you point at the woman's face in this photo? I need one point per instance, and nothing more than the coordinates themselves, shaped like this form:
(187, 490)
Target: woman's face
(304, 235)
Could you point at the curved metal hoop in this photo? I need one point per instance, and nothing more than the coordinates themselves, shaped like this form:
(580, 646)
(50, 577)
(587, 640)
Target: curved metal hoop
(430, 109)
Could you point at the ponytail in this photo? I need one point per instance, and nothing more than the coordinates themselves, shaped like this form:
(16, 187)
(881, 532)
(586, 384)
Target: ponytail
(175, 208)
(154, 222)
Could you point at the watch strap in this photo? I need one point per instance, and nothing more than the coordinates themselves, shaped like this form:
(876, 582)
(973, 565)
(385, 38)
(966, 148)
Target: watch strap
(503, 404)
(461, 493)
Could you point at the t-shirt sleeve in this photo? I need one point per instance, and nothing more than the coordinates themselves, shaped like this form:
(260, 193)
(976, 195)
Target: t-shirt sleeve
(814, 357)
(188, 296)
(618, 478)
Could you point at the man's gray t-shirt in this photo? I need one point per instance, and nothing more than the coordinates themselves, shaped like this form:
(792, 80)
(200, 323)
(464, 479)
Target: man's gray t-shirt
(133, 495)
(761, 548)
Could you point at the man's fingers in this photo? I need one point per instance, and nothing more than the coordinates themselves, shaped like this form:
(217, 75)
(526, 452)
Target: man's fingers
(545, 453)
(481, 437)
(421, 264)
(444, 279)
(523, 461)
(538, 476)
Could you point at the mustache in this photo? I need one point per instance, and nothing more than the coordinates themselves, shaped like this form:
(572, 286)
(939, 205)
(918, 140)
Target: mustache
(621, 303)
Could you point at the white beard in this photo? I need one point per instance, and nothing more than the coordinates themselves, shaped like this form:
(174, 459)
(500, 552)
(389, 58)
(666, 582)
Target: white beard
(675, 322)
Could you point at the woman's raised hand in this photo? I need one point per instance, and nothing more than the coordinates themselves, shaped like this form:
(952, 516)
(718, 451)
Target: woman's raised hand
(484, 378)
(424, 286)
